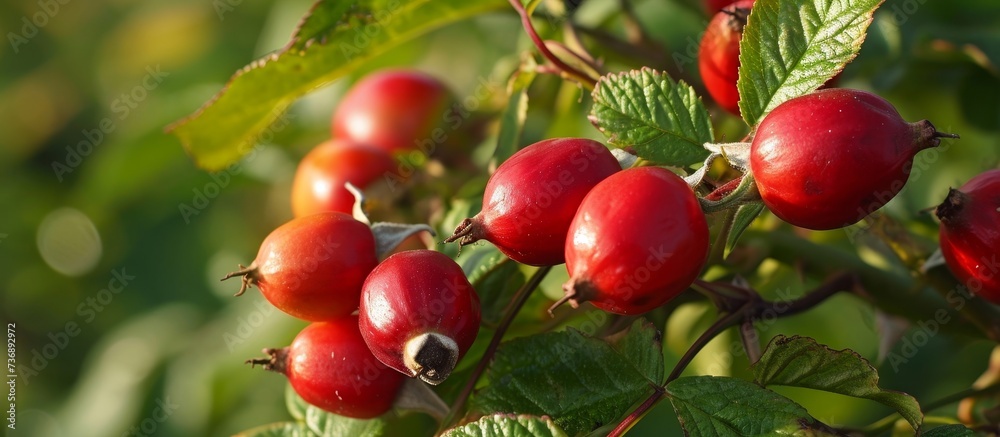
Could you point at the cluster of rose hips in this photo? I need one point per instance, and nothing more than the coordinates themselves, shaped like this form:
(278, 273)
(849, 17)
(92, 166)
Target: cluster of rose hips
(373, 323)
(848, 157)
(631, 239)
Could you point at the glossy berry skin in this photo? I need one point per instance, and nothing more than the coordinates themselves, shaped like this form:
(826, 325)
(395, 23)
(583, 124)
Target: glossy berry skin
(394, 110)
(970, 234)
(313, 267)
(320, 177)
(329, 366)
(719, 53)
(419, 314)
(532, 197)
(639, 239)
(827, 159)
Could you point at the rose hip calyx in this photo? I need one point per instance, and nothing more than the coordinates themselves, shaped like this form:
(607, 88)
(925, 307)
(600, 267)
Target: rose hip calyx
(431, 356)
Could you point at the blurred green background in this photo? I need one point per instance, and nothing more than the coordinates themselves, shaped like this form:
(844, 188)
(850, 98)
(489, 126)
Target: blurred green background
(112, 242)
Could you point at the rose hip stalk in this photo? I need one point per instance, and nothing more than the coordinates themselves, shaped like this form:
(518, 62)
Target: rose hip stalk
(531, 199)
(827, 159)
(419, 314)
(329, 366)
(639, 239)
(970, 234)
(313, 267)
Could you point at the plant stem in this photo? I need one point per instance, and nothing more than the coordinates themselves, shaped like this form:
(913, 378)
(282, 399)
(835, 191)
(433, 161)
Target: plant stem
(892, 292)
(955, 397)
(725, 322)
(842, 282)
(911, 252)
(752, 309)
(569, 70)
(520, 298)
(717, 255)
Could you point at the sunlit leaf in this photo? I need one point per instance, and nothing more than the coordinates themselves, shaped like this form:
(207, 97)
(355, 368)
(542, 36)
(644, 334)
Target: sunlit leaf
(801, 362)
(792, 47)
(326, 48)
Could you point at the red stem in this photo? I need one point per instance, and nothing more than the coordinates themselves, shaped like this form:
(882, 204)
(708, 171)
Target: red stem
(530, 29)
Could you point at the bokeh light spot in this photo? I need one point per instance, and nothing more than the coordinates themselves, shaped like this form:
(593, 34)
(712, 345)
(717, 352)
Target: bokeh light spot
(68, 242)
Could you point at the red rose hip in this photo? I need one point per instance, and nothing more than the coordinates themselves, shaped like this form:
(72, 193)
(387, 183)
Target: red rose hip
(419, 314)
(639, 239)
(313, 267)
(719, 54)
(320, 177)
(827, 159)
(394, 110)
(970, 234)
(329, 366)
(531, 199)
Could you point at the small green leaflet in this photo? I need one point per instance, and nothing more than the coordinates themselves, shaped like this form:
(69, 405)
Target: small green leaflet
(324, 423)
(581, 382)
(744, 217)
(661, 120)
(505, 425)
(792, 47)
(335, 38)
(801, 362)
(724, 406)
(496, 279)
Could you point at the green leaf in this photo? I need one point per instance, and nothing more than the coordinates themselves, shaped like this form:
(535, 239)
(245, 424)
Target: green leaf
(580, 381)
(496, 281)
(340, 38)
(723, 406)
(790, 48)
(507, 425)
(642, 347)
(481, 263)
(324, 423)
(950, 431)
(801, 362)
(661, 120)
(744, 217)
(322, 18)
(283, 429)
(513, 117)
(295, 404)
